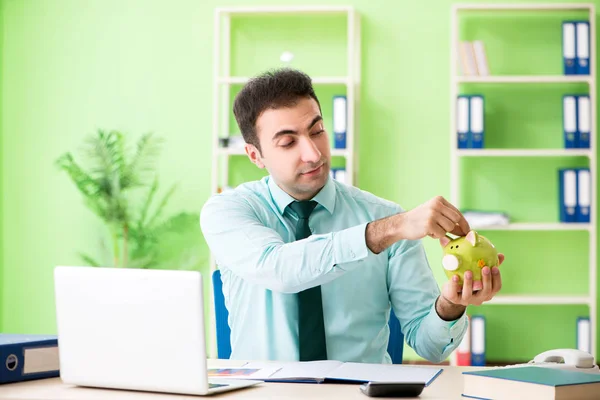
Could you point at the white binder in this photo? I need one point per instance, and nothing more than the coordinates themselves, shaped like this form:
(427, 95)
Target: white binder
(583, 334)
(570, 121)
(582, 43)
(584, 195)
(583, 121)
(462, 122)
(568, 46)
(476, 122)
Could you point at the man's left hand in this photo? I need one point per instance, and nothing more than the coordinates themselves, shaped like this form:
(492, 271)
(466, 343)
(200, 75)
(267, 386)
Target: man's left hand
(491, 280)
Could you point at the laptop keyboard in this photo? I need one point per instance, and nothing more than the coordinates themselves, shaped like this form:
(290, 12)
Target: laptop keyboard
(215, 385)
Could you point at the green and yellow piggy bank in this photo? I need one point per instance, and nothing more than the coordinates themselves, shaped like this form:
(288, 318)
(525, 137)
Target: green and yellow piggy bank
(468, 253)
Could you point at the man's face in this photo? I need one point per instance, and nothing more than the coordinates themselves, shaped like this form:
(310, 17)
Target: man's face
(295, 148)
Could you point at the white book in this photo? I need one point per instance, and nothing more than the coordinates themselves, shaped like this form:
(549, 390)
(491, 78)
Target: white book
(467, 57)
(335, 371)
(481, 58)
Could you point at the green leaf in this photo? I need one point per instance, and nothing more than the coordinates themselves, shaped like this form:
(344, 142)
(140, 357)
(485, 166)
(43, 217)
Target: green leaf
(147, 203)
(161, 206)
(143, 162)
(179, 243)
(89, 260)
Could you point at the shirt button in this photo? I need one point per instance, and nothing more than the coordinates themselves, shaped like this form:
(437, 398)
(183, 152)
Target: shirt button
(352, 254)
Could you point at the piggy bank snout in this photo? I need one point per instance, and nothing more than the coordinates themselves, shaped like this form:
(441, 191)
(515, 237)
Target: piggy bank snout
(450, 262)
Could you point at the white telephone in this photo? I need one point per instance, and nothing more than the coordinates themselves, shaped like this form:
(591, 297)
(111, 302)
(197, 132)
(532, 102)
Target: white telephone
(572, 359)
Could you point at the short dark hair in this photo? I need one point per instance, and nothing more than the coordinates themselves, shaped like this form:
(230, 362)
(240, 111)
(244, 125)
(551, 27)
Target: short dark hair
(272, 89)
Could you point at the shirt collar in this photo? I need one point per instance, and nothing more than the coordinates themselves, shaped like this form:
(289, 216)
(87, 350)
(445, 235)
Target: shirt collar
(325, 197)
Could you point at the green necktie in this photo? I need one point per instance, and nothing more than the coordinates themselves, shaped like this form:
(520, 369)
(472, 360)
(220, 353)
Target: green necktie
(311, 327)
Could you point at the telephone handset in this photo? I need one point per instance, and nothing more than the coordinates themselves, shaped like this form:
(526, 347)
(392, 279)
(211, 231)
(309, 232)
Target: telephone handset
(567, 359)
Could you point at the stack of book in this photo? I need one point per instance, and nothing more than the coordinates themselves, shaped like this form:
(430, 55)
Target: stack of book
(531, 383)
(472, 60)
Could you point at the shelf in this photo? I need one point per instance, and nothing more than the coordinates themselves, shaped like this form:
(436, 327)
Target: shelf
(538, 300)
(339, 153)
(525, 226)
(522, 7)
(240, 151)
(525, 79)
(283, 10)
(524, 152)
(319, 80)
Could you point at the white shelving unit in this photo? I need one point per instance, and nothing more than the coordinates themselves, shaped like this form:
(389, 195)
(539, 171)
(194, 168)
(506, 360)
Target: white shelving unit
(222, 81)
(456, 155)
(523, 152)
(524, 79)
(539, 300)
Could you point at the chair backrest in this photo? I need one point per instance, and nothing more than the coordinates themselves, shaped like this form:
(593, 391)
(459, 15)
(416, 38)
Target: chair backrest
(221, 316)
(395, 345)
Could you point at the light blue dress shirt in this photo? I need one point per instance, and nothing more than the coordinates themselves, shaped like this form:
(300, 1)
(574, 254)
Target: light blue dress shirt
(251, 232)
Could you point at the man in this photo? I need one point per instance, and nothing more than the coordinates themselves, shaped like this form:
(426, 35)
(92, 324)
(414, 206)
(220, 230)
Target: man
(311, 266)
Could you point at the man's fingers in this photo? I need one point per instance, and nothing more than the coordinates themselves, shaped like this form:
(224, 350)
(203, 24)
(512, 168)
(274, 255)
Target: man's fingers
(454, 288)
(462, 226)
(496, 280)
(467, 291)
(486, 277)
(436, 231)
(457, 230)
(448, 204)
(446, 224)
(450, 212)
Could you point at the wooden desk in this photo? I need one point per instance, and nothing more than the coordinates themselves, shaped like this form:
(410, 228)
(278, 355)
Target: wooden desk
(448, 385)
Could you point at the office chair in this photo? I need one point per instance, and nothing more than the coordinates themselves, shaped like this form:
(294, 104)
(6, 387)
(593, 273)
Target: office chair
(395, 345)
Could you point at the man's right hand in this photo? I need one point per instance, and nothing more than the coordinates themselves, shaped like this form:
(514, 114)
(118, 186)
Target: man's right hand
(434, 218)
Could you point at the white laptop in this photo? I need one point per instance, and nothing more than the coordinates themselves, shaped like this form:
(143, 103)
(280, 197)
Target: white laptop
(134, 329)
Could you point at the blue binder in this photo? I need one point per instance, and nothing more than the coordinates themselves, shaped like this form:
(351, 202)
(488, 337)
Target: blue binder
(570, 121)
(582, 211)
(462, 121)
(582, 41)
(569, 47)
(476, 121)
(567, 194)
(477, 340)
(20, 355)
(583, 122)
(340, 119)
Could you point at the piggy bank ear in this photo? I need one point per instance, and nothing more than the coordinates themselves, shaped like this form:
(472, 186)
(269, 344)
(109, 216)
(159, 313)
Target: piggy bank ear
(444, 241)
(471, 237)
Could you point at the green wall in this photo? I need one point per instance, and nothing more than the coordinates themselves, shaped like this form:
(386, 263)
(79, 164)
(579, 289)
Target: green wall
(71, 67)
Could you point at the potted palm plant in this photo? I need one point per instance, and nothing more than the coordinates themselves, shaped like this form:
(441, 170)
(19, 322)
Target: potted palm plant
(121, 187)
